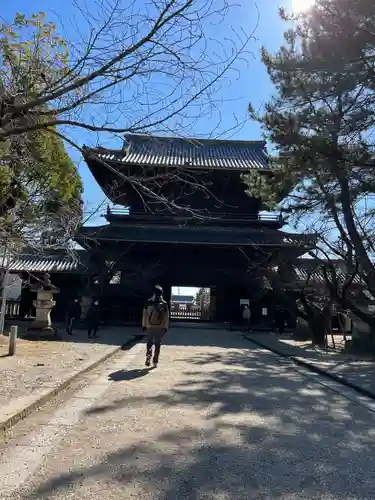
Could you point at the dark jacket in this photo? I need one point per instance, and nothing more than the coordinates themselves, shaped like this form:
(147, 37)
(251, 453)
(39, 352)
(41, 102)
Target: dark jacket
(93, 315)
(280, 316)
(74, 310)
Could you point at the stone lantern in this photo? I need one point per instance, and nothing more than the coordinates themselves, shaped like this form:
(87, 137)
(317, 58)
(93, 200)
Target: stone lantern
(44, 303)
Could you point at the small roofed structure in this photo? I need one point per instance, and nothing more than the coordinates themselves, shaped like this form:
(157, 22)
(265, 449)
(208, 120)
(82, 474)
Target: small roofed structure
(67, 272)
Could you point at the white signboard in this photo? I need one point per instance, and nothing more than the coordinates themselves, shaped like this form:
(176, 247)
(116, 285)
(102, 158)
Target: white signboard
(244, 302)
(264, 311)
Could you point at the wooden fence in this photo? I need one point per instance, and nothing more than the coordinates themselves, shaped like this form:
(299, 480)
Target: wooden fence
(192, 315)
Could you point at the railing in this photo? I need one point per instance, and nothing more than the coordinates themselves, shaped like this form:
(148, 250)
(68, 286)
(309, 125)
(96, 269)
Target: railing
(12, 308)
(200, 216)
(192, 315)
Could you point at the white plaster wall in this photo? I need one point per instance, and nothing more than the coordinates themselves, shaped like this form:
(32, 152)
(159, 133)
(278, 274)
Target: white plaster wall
(14, 286)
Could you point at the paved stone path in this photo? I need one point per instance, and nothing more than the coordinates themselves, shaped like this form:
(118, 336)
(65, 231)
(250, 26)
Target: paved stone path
(218, 419)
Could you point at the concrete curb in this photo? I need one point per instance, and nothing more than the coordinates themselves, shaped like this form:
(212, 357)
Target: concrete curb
(22, 407)
(314, 368)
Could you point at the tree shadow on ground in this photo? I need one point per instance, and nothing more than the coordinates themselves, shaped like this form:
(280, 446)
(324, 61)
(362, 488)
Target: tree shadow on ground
(308, 349)
(267, 432)
(357, 369)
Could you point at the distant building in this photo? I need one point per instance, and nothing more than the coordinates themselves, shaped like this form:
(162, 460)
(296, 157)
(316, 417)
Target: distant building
(183, 303)
(182, 299)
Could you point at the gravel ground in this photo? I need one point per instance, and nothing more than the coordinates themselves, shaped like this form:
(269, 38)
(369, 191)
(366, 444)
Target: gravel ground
(40, 364)
(218, 419)
(357, 369)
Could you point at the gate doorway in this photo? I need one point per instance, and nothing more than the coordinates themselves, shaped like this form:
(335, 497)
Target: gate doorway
(190, 303)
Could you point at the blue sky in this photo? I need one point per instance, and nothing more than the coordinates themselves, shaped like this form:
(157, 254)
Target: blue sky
(252, 83)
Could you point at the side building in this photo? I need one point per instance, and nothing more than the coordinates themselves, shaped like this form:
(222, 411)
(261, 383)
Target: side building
(184, 219)
(69, 272)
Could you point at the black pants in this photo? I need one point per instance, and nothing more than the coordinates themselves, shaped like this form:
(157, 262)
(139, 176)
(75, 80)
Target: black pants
(92, 331)
(281, 326)
(69, 324)
(154, 337)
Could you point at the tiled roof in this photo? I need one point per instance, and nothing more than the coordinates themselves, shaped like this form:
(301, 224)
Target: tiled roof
(48, 264)
(192, 153)
(193, 235)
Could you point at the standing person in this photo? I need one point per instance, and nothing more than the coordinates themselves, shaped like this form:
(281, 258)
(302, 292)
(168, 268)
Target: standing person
(246, 315)
(155, 320)
(73, 313)
(279, 320)
(93, 319)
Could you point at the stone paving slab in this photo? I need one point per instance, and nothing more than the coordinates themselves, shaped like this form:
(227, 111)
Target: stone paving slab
(40, 369)
(357, 370)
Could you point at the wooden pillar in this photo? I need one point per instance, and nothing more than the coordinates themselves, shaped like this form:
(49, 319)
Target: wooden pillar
(213, 304)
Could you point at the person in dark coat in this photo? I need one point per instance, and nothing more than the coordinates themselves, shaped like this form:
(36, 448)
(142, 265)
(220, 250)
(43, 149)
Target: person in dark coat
(93, 319)
(73, 313)
(280, 318)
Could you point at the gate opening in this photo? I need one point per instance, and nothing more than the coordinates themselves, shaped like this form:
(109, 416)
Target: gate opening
(190, 303)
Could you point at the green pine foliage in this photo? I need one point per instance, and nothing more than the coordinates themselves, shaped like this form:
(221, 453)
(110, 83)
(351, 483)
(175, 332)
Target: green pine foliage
(321, 120)
(321, 116)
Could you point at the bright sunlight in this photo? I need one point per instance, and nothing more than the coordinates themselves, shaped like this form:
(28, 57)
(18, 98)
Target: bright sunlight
(302, 5)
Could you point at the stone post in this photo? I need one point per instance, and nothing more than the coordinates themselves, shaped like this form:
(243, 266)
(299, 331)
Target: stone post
(12, 340)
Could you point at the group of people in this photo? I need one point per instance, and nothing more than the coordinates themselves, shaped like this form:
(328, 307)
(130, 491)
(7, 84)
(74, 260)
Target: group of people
(155, 321)
(93, 317)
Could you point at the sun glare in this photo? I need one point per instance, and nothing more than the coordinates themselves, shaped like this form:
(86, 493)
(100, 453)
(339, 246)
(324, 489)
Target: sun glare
(302, 5)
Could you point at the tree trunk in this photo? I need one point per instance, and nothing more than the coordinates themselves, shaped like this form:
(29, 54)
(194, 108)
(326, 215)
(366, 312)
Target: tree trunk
(354, 235)
(318, 321)
(319, 328)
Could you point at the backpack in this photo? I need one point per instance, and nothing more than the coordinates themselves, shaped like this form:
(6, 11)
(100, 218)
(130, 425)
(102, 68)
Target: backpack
(155, 315)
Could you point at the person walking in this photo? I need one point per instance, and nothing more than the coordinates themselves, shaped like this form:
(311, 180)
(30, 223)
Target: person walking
(73, 313)
(246, 315)
(155, 321)
(93, 319)
(279, 320)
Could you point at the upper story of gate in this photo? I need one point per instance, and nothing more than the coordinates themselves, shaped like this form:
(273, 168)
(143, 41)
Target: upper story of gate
(173, 179)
